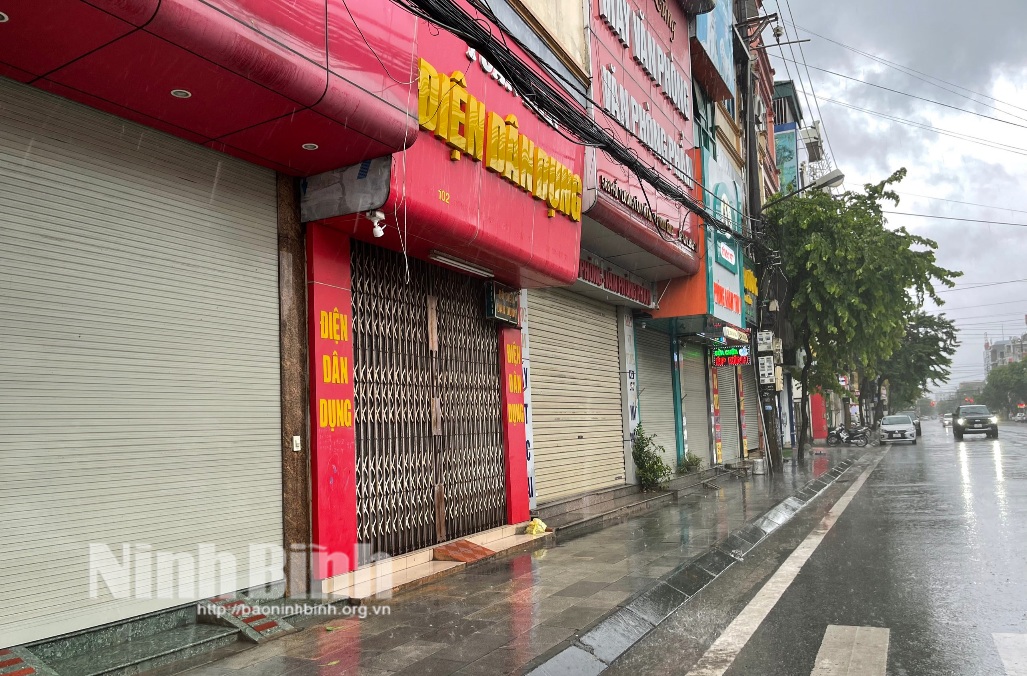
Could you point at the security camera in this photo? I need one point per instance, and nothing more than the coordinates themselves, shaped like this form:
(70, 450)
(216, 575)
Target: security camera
(376, 217)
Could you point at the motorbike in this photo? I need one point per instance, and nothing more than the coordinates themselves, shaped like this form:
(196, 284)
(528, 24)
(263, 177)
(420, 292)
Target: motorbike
(841, 435)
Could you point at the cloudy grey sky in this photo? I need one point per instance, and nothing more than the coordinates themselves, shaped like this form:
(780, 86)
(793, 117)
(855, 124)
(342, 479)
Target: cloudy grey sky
(977, 46)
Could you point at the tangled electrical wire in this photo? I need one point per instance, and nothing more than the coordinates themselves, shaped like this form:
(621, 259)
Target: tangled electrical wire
(540, 94)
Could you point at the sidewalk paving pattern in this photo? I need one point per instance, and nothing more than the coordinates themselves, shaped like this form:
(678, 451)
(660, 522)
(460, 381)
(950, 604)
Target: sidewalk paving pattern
(499, 616)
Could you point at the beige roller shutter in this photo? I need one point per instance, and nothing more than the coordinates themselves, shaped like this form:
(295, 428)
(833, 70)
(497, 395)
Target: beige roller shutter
(727, 384)
(695, 403)
(575, 394)
(139, 367)
(752, 407)
(656, 390)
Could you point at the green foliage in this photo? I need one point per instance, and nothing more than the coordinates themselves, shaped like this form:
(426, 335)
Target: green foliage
(1006, 387)
(650, 470)
(924, 356)
(692, 463)
(853, 283)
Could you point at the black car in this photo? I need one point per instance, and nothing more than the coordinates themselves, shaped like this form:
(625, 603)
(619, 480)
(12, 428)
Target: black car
(974, 419)
(915, 417)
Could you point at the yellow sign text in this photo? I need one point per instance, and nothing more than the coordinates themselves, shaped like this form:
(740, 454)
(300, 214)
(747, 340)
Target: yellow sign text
(332, 413)
(460, 120)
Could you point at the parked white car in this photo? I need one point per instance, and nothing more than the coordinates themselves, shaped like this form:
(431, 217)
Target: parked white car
(898, 428)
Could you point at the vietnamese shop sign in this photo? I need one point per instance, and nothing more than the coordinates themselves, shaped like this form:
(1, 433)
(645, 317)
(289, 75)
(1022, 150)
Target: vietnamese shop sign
(460, 120)
(732, 356)
(631, 29)
(642, 69)
(593, 270)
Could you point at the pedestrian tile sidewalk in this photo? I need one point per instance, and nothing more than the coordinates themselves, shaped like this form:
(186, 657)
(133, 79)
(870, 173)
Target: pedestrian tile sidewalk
(496, 617)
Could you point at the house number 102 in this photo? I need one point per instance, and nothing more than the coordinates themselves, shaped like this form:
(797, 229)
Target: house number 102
(444, 196)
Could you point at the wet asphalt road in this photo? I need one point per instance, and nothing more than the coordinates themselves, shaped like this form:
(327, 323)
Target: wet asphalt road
(933, 548)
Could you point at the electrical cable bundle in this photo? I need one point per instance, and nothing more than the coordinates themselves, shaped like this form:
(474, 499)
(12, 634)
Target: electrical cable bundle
(544, 97)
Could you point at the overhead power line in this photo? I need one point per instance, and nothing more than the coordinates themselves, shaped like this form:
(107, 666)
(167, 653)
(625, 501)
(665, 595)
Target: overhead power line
(976, 140)
(974, 307)
(914, 73)
(981, 286)
(812, 89)
(953, 218)
(971, 204)
(913, 96)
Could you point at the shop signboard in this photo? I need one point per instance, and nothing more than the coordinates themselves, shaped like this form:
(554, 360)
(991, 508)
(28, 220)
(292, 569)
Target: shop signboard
(490, 180)
(715, 40)
(640, 49)
(731, 356)
(503, 304)
(786, 151)
(613, 284)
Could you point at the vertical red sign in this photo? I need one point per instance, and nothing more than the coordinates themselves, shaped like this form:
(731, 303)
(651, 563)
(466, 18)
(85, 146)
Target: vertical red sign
(512, 399)
(741, 410)
(333, 442)
(718, 439)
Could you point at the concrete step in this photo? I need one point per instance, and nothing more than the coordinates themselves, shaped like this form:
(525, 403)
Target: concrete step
(548, 511)
(600, 515)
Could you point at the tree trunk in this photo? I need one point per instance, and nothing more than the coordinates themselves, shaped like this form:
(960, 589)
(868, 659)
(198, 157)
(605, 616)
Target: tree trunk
(879, 409)
(804, 402)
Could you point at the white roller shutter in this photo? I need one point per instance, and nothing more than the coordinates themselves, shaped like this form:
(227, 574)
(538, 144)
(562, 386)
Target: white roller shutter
(727, 385)
(139, 367)
(656, 390)
(695, 403)
(575, 394)
(752, 407)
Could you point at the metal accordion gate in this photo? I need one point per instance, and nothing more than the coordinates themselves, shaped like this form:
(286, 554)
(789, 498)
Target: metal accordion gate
(429, 456)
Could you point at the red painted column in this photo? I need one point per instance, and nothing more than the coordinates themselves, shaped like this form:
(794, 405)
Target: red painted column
(514, 440)
(818, 416)
(332, 439)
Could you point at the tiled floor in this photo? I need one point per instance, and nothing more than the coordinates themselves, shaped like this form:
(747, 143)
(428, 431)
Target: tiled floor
(495, 617)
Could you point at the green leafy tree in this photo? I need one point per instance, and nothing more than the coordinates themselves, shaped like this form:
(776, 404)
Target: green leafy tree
(925, 357)
(1006, 387)
(852, 281)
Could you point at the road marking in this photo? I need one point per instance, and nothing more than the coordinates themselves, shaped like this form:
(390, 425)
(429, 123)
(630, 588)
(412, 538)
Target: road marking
(725, 649)
(852, 651)
(1012, 648)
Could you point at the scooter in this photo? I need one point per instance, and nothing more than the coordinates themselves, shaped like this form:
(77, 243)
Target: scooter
(841, 435)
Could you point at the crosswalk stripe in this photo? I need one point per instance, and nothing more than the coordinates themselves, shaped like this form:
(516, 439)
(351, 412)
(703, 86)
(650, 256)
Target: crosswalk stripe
(852, 651)
(1012, 648)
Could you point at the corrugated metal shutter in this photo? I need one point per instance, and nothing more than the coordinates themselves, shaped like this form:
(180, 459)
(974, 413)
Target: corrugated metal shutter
(727, 384)
(656, 390)
(695, 404)
(139, 374)
(752, 407)
(575, 394)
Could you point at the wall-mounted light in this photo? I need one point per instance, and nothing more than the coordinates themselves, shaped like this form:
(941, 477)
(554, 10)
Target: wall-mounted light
(310, 146)
(376, 217)
(181, 93)
(4, 18)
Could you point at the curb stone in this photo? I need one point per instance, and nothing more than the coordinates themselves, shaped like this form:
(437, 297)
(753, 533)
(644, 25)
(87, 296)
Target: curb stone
(613, 635)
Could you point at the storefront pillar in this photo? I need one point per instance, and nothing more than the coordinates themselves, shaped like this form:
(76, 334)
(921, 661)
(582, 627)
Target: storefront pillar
(514, 439)
(333, 441)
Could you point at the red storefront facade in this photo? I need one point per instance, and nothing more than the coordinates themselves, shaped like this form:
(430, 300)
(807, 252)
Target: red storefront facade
(488, 190)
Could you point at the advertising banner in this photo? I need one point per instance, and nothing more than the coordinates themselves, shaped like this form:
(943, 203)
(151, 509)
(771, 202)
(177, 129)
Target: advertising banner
(787, 152)
(724, 256)
(713, 33)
